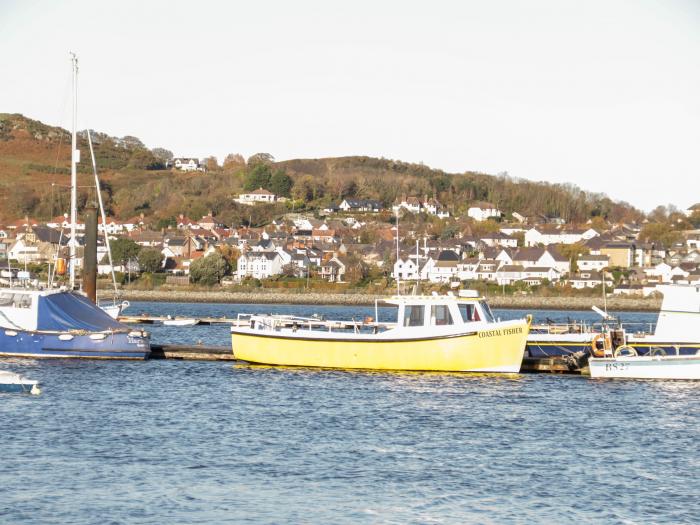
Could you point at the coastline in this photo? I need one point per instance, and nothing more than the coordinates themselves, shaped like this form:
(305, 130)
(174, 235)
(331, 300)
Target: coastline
(523, 302)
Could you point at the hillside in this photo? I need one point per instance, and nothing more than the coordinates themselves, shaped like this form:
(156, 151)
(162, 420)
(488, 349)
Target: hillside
(35, 161)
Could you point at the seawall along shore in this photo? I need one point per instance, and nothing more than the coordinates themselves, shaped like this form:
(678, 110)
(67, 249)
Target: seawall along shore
(525, 302)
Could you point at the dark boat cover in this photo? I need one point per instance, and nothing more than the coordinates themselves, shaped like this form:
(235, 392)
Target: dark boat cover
(71, 311)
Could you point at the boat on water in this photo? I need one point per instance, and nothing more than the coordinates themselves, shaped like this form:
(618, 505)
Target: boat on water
(677, 330)
(180, 321)
(115, 308)
(671, 351)
(431, 333)
(15, 383)
(624, 365)
(62, 323)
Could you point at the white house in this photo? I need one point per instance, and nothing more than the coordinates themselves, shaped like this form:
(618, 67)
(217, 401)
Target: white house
(588, 279)
(592, 262)
(259, 265)
(482, 211)
(360, 205)
(186, 164)
(253, 197)
(549, 234)
(406, 269)
(431, 206)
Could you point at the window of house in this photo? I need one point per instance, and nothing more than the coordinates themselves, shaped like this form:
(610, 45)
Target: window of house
(440, 315)
(413, 315)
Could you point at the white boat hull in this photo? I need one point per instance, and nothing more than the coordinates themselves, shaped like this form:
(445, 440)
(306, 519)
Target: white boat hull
(646, 367)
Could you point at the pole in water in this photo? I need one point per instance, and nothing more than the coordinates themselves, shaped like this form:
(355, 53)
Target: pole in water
(90, 253)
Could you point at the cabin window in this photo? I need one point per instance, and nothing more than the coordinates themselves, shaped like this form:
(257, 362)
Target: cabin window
(17, 300)
(413, 315)
(487, 312)
(440, 315)
(469, 312)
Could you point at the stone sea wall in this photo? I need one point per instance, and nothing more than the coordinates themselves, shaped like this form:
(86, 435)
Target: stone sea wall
(275, 297)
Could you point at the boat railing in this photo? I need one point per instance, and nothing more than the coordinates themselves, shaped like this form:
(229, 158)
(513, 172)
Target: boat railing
(295, 323)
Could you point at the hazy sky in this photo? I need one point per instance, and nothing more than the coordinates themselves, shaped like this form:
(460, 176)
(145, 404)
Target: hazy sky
(602, 94)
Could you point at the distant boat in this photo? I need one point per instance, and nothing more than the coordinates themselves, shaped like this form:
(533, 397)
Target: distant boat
(114, 309)
(15, 383)
(180, 322)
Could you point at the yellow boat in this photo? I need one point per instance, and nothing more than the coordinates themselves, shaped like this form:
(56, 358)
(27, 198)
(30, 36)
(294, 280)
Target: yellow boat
(432, 333)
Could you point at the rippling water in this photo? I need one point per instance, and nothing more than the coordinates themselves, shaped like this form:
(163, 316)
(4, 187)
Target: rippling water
(200, 442)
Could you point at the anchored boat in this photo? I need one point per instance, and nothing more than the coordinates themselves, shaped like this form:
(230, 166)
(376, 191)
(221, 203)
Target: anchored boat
(15, 383)
(431, 333)
(60, 323)
(672, 351)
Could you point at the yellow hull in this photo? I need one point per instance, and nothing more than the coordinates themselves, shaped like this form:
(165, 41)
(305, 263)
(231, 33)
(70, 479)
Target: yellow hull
(491, 350)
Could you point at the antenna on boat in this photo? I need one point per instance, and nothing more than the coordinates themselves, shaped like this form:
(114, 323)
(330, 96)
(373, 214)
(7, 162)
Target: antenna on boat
(398, 278)
(74, 159)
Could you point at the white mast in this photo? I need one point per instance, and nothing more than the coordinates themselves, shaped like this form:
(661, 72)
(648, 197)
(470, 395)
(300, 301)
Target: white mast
(398, 278)
(74, 159)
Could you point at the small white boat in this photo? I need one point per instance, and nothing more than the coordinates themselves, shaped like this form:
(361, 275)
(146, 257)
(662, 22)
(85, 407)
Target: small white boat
(626, 364)
(15, 383)
(115, 309)
(172, 321)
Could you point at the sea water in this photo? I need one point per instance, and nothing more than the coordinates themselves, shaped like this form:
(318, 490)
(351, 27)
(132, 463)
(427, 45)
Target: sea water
(213, 442)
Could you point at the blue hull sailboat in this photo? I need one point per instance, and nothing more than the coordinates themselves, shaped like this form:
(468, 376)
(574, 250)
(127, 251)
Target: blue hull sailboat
(63, 322)
(60, 323)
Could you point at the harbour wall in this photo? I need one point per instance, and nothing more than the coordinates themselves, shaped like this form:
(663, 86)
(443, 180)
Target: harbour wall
(525, 302)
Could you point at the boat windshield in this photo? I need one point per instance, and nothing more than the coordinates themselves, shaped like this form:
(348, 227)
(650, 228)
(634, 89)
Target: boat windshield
(487, 312)
(413, 315)
(469, 312)
(16, 300)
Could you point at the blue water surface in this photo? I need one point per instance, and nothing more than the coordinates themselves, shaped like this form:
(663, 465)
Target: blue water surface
(213, 442)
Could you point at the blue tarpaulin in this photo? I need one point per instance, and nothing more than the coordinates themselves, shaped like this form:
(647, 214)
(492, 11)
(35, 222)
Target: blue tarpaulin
(70, 311)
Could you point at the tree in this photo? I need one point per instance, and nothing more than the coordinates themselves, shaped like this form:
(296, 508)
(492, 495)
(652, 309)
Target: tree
(211, 164)
(150, 260)
(124, 249)
(209, 270)
(162, 154)
(258, 177)
(660, 233)
(281, 183)
(143, 159)
(260, 158)
(234, 161)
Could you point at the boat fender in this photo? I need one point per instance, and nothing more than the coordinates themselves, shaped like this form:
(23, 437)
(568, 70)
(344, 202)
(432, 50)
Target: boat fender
(625, 351)
(600, 352)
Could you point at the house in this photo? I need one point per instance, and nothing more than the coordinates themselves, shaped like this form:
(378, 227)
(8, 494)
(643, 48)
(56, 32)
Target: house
(406, 269)
(589, 279)
(332, 270)
(549, 234)
(621, 254)
(695, 208)
(486, 269)
(185, 164)
(253, 197)
(499, 239)
(542, 257)
(259, 265)
(629, 289)
(431, 206)
(481, 211)
(445, 267)
(360, 205)
(509, 273)
(592, 262)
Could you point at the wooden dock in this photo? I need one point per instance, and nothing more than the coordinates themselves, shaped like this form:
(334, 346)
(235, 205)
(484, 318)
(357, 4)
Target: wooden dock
(531, 365)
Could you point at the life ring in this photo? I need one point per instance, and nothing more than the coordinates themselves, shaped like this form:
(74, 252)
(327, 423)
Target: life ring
(625, 351)
(656, 350)
(600, 352)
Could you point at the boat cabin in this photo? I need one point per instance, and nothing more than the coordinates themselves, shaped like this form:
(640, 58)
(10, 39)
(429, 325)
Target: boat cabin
(441, 310)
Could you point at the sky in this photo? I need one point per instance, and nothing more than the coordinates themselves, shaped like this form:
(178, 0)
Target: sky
(601, 94)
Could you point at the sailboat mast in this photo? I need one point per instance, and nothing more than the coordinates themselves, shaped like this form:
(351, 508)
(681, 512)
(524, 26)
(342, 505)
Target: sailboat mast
(74, 159)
